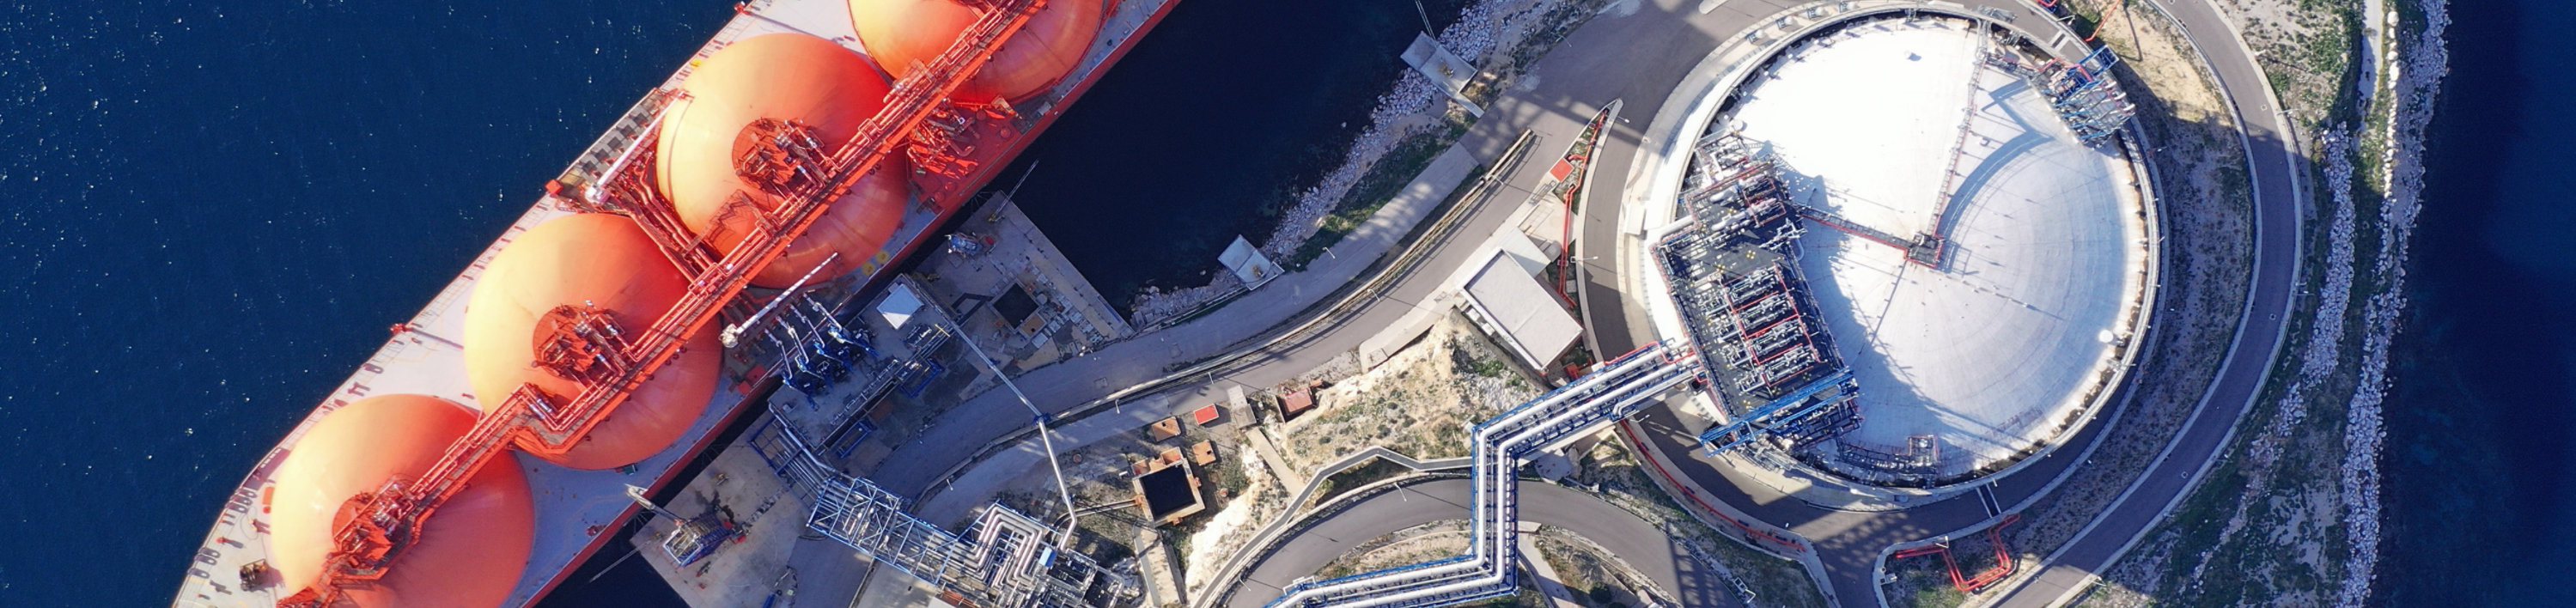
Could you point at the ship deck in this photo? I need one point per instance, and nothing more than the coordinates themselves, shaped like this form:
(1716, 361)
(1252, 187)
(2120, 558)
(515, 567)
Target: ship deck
(578, 511)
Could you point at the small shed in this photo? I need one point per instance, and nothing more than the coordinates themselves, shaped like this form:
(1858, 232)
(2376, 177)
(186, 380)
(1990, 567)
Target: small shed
(1248, 264)
(1295, 402)
(899, 305)
(1203, 453)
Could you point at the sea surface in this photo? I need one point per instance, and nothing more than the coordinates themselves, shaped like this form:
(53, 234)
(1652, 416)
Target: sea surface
(1207, 130)
(2481, 453)
(210, 212)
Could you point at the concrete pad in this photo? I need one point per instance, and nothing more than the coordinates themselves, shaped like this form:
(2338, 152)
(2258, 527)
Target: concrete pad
(888, 588)
(742, 571)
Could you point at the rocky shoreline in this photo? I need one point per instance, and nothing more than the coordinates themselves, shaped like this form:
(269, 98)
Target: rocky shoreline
(1485, 32)
(2417, 77)
(2293, 514)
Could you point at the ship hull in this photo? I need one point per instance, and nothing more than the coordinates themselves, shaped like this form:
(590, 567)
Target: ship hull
(578, 512)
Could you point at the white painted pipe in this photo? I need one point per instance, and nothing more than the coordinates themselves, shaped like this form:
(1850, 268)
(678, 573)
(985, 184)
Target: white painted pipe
(1499, 444)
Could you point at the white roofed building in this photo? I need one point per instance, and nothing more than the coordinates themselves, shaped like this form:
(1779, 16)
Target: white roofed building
(1506, 300)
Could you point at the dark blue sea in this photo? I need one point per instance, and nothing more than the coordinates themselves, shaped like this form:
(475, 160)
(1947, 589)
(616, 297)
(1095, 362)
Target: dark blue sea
(1208, 128)
(210, 212)
(2481, 460)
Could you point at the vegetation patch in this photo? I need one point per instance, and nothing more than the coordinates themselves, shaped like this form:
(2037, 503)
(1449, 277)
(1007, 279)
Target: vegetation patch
(1377, 187)
(1353, 478)
(1418, 402)
(2289, 513)
(1610, 470)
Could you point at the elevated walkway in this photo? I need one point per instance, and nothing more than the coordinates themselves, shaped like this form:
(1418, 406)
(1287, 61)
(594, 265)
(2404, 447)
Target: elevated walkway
(1614, 390)
(1005, 558)
(1797, 413)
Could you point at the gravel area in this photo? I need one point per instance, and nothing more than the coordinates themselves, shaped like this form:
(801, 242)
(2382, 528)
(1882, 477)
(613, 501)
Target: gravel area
(1418, 402)
(1225, 531)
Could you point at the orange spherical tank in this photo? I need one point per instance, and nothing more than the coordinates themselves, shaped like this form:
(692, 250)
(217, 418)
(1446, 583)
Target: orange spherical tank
(902, 34)
(586, 261)
(748, 90)
(470, 551)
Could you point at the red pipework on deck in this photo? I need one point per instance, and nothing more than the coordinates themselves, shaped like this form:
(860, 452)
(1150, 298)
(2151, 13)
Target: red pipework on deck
(376, 527)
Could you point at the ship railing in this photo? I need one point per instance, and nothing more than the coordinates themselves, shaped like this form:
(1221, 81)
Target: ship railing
(912, 101)
(926, 338)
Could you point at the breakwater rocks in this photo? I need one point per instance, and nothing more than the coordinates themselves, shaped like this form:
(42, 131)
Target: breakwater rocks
(1496, 34)
(2416, 72)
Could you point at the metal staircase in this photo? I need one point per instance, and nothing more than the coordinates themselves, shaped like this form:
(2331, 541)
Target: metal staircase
(1005, 558)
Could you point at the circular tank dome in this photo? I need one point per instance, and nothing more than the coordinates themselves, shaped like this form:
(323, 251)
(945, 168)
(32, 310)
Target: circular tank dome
(754, 88)
(593, 262)
(470, 551)
(903, 33)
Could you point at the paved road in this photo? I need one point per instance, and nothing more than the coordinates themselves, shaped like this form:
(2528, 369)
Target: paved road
(1070, 384)
(1849, 543)
(1638, 52)
(1644, 546)
(1640, 55)
(2258, 340)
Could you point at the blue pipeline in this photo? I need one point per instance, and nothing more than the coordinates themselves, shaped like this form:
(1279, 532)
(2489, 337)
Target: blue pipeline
(1294, 589)
(1759, 414)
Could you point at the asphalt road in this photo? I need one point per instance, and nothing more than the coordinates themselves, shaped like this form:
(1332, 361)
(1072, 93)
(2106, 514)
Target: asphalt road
(2258, 340)
(1640, 543)
(1639, 52)
(1642, 57)
(1849, 543)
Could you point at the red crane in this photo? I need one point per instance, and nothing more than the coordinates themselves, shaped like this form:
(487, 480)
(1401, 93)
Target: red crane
(376, 526)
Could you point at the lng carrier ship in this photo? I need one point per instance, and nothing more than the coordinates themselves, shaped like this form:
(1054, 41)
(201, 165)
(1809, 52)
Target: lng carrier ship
(604, 339)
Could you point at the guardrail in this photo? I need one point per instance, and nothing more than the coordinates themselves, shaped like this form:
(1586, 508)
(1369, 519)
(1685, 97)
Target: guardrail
(1001, 560)
(1401, 264)
(1613, 391)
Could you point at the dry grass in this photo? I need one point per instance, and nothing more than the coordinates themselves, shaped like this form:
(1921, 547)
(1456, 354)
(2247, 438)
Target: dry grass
(2202, 187)
(1595, 577)
(1612, 472)
(1418, 402)
(2264, 527)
